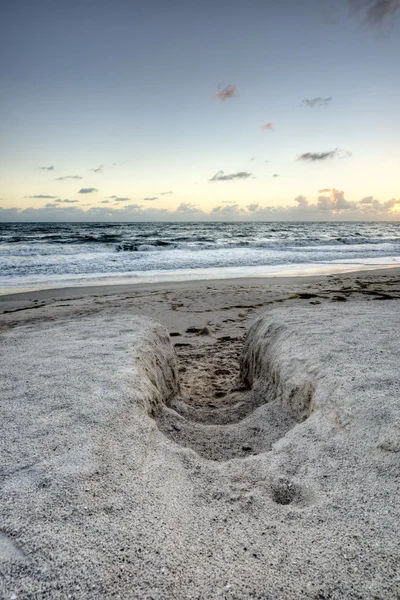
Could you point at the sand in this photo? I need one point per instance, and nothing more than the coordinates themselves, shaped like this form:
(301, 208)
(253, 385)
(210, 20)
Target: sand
(251, 453)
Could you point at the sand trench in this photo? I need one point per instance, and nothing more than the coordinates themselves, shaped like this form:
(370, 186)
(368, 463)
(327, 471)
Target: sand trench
(223, 411)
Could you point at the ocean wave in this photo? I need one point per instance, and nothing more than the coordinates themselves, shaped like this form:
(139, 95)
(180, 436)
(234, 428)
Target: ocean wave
(196, 245)
(86, 249)
(140, 247)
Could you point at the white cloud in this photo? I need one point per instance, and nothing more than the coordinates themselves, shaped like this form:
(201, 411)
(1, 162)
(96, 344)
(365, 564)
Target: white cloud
(335, 201)
(302, 201)
(189, 209)
(230, 210)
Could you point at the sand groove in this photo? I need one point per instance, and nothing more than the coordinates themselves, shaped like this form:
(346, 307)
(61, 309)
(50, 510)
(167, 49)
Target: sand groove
(218, 413)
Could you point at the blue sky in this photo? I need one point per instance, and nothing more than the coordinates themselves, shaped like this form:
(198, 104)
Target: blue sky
(124, 96)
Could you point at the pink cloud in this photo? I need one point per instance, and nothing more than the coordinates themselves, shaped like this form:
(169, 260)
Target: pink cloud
(267, 127)
(226, 94)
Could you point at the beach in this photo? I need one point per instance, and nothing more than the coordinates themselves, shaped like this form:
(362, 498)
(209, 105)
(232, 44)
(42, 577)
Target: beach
(200, 301)
(232, 438)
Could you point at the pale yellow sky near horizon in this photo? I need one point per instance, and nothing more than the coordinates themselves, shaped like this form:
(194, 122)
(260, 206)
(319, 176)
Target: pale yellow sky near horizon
(133, 182)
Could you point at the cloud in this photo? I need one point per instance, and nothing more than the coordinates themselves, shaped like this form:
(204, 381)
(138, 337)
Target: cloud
(332, 207)
(228, 211)
(302, 201)
(42, 196)
(105, 202)
(267, 127)
(66, 201)
(7, 214)
(336, 201)
(165, 193)
(311, 102)
(51, 168)
(275, 175)
(68, 177)
(150, 199)
(226, 94)
(132, 207)
(324, 190)
(99, 169)
(87, 190)
(188, 209)
(375, 12)
(220, 176)
(330, 154)
(371, 205)
(118, 199)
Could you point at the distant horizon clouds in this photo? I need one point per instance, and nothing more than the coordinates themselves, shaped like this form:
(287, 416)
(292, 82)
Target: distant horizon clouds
(302, 201)
(66, 201)
(326, 207)
(65, 177)
(335, 201)
(51, 168)
(267, 127)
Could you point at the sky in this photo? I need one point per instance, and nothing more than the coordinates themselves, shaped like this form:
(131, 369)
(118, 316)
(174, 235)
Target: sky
(118, 110)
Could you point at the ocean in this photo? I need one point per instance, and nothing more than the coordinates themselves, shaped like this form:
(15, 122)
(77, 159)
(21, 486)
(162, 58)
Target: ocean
(46, 255)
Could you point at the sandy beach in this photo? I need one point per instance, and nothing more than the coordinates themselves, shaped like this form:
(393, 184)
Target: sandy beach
(200, 300)
(211, 439)
(225, 305)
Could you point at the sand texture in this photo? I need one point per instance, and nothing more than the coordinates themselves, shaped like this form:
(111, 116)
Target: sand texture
(239, 465)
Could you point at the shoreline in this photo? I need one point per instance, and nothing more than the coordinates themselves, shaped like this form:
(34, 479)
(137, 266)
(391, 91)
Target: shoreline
(225, 307)
(111, 289)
